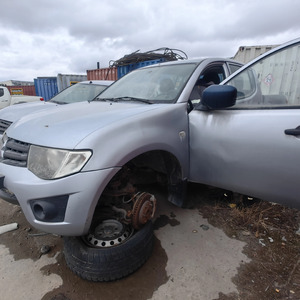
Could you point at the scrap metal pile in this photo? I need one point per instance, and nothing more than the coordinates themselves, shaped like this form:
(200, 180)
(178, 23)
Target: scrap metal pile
(165, 54)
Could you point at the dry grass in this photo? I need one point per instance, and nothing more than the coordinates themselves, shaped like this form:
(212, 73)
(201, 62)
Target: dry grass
(272, 244)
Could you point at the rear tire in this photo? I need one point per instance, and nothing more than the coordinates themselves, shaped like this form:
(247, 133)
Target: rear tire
(109, 263)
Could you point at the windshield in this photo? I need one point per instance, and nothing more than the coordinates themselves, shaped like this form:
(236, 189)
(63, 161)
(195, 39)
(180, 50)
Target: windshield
(157, 84)
(77, 93)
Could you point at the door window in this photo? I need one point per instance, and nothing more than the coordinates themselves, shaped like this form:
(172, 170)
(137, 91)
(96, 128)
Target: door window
(271, 82)
(211, 75)
(233, 67)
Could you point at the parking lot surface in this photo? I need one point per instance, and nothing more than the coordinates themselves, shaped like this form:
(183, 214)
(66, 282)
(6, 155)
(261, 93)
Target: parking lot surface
(192, 259)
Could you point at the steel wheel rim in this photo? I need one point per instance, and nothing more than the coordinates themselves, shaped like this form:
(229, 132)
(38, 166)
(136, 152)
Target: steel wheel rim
(109, 233)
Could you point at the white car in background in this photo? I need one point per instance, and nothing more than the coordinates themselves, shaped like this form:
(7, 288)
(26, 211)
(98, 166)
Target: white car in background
(79, 92)
(6, 99)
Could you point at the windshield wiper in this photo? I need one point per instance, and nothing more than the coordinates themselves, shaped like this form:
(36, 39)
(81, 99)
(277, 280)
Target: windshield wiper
(137, 99)
(105, 99)
(125, 99)
(58, 102)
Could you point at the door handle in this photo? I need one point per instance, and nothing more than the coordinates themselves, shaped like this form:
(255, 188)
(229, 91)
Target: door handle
(293, 131)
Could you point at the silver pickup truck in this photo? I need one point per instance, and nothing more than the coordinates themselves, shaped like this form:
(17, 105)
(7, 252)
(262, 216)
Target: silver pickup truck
(77, 170)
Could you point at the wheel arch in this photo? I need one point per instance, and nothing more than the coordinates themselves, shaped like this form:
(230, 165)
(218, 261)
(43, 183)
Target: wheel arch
(164, 163)
(168, 164)
(159, 161)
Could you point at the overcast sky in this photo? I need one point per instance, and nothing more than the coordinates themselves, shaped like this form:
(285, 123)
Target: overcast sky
(46, 37)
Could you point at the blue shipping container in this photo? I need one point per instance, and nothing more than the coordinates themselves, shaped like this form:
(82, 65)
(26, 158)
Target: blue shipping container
(123, 70)
(46, 87)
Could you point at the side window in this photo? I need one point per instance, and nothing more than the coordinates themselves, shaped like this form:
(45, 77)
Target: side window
(211, 75)
(233, 68)
(270, 82)
(1, 92)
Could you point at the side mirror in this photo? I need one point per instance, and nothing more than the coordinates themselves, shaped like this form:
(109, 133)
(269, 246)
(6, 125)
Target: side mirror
(218, 97)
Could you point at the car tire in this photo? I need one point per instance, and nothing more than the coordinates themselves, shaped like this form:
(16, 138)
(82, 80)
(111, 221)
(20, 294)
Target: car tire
(109, 263)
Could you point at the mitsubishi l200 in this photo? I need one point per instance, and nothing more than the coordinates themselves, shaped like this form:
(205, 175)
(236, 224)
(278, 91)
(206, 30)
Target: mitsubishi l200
(75, 170)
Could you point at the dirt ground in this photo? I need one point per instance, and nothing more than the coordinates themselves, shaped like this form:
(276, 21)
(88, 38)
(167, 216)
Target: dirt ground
(272, 237)
(271, 234)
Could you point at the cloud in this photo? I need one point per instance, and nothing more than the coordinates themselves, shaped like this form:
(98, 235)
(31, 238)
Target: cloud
(43, 37)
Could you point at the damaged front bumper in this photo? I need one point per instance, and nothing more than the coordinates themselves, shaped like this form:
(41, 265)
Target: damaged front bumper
(64, 206)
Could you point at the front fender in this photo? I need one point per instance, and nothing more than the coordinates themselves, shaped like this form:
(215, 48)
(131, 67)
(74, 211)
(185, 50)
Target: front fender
(164, 129)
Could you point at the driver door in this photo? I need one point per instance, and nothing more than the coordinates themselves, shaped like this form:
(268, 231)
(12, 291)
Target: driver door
(253, 148)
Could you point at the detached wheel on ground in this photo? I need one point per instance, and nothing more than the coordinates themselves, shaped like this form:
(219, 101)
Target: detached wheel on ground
(114, 250)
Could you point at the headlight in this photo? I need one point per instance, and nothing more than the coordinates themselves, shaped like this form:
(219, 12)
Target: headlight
(48, 163)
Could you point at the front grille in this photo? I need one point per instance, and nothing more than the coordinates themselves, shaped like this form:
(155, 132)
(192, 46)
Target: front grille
(15, 153)
(4, 125)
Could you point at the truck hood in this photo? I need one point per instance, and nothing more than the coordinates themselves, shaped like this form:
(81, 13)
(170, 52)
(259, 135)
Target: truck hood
(65, 126)
(15, 112)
